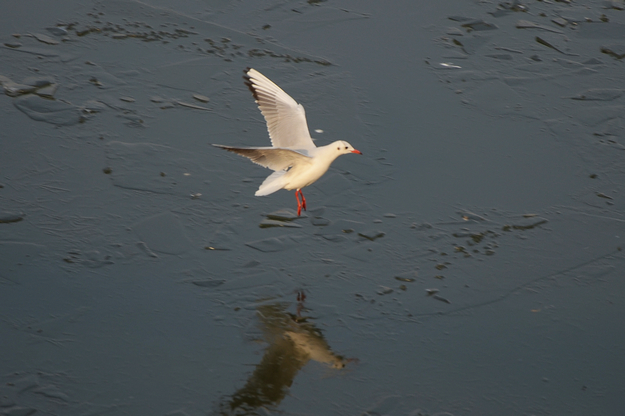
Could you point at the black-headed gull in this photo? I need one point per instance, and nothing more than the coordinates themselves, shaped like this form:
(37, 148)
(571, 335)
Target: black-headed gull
(293, 156)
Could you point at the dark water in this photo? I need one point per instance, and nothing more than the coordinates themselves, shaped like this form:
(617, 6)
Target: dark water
(470, 263)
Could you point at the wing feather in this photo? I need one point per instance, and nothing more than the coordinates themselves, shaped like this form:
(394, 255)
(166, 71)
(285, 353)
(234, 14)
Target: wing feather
(286, 119)
(270, 157)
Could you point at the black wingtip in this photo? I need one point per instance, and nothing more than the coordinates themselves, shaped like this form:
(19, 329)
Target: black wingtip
(248, 82)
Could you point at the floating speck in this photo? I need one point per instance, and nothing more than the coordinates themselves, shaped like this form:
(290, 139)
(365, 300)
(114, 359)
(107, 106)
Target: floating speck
(57, 31)
(441, 299)
(448, 65)
(7, 217)
(614, 4)
(454, 31)
(599, 94)
(267, 223)
(201, 98)
(372, 234)
(95, 81)
(460, 18)
(188, 105)
(551, 42)
(13, 89)
(384, 290)
(45, 39)
(479, 25)
(525, 24)
(47, 91)
(144, 247)
(213, 248)
(407, 277)
(526, 224)
(283, 215)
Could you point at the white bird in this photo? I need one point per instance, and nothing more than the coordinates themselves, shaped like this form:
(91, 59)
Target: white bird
(293, 156)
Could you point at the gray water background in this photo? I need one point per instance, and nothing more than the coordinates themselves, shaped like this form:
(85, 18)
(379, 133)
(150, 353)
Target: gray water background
(469, 263)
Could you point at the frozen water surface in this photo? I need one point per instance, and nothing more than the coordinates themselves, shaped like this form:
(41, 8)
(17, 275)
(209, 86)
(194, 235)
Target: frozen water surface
(470, 263)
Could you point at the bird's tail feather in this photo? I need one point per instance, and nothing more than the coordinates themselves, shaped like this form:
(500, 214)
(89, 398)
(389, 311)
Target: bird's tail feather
(273, 183)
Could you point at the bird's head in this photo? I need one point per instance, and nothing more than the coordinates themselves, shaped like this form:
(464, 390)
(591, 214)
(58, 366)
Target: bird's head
(343, 147)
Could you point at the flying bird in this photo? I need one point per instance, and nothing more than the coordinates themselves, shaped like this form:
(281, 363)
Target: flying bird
(293, 156)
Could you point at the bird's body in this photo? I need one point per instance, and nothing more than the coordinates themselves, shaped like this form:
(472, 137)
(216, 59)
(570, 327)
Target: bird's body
(296, 160)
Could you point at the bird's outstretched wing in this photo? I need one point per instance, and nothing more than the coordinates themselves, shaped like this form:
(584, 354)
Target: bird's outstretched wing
(286, 119)
(270, 157)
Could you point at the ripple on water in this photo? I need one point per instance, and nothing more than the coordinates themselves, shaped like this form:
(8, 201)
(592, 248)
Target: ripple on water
(163, 233)
(49, 111)
(274, 244)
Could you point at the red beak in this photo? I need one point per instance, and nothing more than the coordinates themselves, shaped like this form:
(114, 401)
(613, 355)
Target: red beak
(357, 151)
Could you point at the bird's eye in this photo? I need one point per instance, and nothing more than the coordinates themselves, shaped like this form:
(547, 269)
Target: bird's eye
(338, 148)
(345, 147)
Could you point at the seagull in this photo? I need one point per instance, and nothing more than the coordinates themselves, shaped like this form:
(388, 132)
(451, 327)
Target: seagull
(293, 156)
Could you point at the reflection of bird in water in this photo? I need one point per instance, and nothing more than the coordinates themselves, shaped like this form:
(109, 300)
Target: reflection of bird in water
(312, 346)
(293, 342)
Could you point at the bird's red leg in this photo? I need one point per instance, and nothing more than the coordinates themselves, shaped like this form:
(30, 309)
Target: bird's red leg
(303, 199)
(299, 204)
